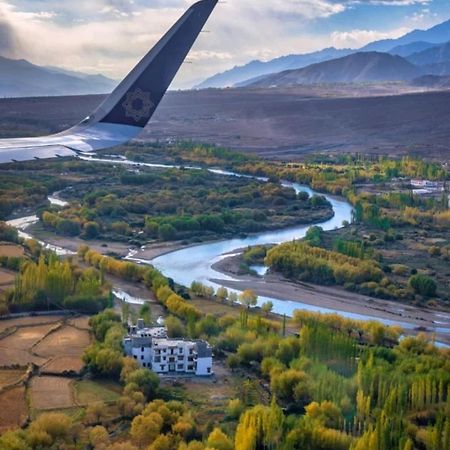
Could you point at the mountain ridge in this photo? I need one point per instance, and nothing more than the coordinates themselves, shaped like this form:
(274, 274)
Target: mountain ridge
(359, 67)
(21, 78)
(413, 42)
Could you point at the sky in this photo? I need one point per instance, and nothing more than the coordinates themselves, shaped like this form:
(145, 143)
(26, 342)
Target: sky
(110, 36)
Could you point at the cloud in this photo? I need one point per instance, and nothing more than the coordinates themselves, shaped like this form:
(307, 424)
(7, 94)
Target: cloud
(10, 45)
(358, 38)
(110, 36)
(394, 2)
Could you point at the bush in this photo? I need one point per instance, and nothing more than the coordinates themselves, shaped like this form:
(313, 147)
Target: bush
(91, 230)
(167, 232)
(68, 227)
(86, 305)
(423, 285)
(8, 234)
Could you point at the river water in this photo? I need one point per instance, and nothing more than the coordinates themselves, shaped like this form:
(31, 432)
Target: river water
(196, 263)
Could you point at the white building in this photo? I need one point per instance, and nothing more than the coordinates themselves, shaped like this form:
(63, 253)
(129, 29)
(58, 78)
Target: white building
(427, 184)
(152, 349)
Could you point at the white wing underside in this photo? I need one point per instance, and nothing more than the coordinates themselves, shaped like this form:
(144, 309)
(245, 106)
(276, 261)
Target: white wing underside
(76, 140)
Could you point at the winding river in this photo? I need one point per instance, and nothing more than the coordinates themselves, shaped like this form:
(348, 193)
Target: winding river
(196, 263)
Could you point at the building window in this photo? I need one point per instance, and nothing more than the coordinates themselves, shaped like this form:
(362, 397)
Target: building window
(208, 369)
(134, 356)
(163, 366)
(144, 365)
(142, 357)
(180, 366)
(190, 368)
(142, 349)
(180, 358)
(180, 350)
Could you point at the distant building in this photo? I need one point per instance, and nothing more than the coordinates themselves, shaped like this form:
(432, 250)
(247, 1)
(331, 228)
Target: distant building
(153, 349)
(427, 184)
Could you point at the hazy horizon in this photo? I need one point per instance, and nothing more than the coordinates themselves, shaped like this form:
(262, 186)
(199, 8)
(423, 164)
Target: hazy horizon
(110, 36)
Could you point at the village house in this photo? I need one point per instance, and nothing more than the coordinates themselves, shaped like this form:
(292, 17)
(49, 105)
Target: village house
(153, 349)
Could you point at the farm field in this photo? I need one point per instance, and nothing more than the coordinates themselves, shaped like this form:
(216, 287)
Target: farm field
(6, 324)
(51, 393)
(64, 341)
(55, 344)
(16, 348)
(87, 391)
(9, 250)
(13, 411)
(10, 376)
(80, 322)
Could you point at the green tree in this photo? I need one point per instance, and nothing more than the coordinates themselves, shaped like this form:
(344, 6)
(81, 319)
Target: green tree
(248, 298)
(167, 232)
(146, 380)
(267, 307)
(219, 440)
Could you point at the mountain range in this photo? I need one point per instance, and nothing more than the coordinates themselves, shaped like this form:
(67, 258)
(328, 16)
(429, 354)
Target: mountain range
(418, 53)
(20, 78)
(361, 67)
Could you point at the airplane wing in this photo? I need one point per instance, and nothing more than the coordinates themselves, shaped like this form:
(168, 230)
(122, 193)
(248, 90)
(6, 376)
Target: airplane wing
(123, 114)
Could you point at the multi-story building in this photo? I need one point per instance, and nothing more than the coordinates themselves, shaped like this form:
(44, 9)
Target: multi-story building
(153, 349)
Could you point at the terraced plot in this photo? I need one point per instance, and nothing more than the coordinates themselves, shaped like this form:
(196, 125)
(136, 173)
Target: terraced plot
(15, 349)
(9, 377)
(28, 321)
(51, 393)
(11, 250)
(13, 411)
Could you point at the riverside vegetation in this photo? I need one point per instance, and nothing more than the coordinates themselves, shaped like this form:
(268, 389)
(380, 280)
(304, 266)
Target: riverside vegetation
(123, 204)
(335, 384)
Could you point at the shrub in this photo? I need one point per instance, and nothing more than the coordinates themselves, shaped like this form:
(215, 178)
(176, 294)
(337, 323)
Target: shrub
(423, 285)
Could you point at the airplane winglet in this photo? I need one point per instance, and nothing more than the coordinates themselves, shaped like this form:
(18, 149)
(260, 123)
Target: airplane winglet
(135, 100)
(128, 109)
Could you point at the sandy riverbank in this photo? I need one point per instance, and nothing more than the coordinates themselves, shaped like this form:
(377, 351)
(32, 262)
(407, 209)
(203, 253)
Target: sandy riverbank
(120, 249)
(275, 286)
(335, 298)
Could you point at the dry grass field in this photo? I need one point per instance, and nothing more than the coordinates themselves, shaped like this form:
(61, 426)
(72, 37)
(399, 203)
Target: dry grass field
(63, 364)
(80, 322)
(51, 393)
(11, 250)
(87, 391)
(9, 377)
(16, 349)
(67, 341)
(25, 338)
(56, 345)
(13, 411)
(28, 321)
(45, 341)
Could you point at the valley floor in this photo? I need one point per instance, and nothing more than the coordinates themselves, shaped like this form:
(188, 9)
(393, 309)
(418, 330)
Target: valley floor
(333, 298)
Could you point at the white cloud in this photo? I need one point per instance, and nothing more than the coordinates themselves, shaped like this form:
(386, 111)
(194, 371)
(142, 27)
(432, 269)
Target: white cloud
(110, 36)
(358, 38)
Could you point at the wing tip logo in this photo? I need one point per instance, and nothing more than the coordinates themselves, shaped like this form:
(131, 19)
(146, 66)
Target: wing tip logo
(138, 105)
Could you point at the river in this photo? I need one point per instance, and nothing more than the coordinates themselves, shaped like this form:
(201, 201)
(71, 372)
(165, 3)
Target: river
(196, 263)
